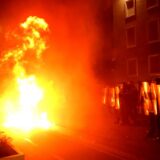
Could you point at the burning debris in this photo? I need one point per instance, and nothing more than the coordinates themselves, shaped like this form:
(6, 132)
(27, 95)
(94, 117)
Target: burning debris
(22, 110)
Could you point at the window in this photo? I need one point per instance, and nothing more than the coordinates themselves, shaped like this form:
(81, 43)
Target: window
(131, 37)
(153, 30)
(154, 65)
(132, 67)
(129, 4)
(130, 8)
(152, 4)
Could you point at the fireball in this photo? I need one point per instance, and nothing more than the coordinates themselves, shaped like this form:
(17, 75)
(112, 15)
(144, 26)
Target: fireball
(22, 110)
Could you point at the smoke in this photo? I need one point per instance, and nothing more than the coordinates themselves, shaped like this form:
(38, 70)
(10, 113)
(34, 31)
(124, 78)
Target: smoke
(76, 41)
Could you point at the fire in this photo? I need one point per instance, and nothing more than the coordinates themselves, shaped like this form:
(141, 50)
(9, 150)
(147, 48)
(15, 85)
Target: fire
(144, 93)
(149, 94)
(24, 113)
(31, 38)
(30, 94)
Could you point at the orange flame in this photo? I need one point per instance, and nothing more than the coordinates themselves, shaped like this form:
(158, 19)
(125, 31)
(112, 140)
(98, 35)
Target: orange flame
(150, 103)
(144, 93)
(27, 115)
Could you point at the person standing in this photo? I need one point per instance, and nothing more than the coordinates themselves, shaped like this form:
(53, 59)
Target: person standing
(133, 103)
(158, 108)
(152, 109)
(124, 103)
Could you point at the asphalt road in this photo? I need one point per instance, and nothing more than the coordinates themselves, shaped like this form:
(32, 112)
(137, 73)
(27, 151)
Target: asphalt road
(113, 142)
(54, 145)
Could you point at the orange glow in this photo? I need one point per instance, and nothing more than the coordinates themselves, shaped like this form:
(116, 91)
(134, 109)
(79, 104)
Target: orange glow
(150, 103)
(112, 97)
(105, 96)
(158, 95)
(117, 101)
(32, 28)
(27, 116)
(144, 93)
(154, 101)
(145, 87)
(22, 110)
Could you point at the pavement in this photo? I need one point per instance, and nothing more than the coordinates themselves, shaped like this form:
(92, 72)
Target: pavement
(110, 141)
(127, 142)
(53, 145)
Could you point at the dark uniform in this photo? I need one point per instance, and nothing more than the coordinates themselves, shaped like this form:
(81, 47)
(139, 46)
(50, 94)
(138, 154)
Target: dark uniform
(158, 108)
(152, 108)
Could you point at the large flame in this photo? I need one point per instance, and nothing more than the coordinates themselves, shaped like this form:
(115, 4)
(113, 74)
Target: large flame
(24, 113)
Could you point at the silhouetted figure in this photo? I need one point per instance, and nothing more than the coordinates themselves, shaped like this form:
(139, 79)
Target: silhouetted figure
(141, 98)
(132, 102)
(158, 108)
(152, 112)
(124, 103)
(117, 106)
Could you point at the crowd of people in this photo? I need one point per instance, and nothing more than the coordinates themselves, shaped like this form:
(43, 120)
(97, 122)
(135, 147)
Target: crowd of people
(129, 100)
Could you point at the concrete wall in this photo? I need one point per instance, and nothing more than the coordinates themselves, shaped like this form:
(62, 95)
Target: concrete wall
(142, 49)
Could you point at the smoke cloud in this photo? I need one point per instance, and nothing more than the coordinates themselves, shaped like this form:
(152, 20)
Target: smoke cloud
(77, 41)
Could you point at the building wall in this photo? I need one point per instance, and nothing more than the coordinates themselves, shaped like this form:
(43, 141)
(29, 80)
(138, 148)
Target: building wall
(133, 58)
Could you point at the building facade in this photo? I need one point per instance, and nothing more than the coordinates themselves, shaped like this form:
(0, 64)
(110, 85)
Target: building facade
(136, 39)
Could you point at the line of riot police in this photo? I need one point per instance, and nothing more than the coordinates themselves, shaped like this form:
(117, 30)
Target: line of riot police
(129, 100)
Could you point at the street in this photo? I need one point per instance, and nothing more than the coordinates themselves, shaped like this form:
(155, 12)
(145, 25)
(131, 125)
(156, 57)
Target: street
(114, 142)
(50, 145)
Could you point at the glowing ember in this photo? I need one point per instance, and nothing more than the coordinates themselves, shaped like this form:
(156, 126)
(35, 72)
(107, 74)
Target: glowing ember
(24, 113)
